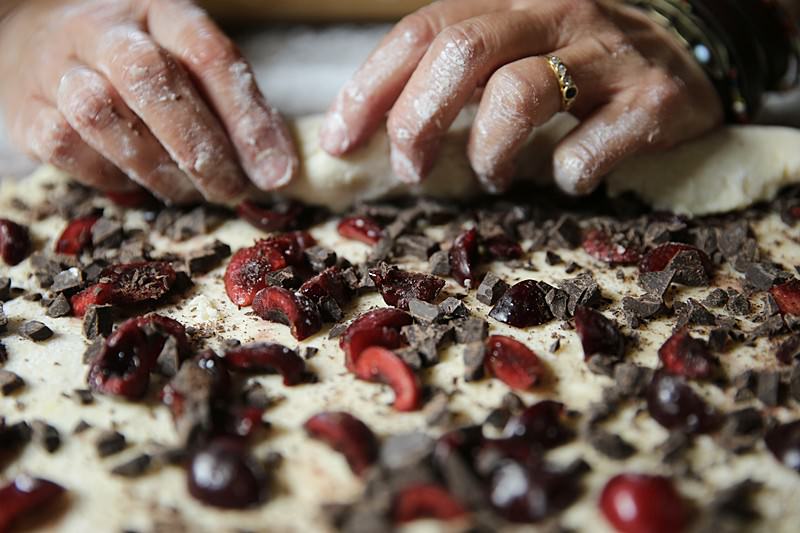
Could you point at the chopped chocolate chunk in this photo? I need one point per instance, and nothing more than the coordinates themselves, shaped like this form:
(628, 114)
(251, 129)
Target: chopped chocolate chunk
(84, 396)
(555, 346)
(423, 311)
(572, 267)
(81, 426)
(336, 331)
(5, 289)
(453, 308)
(770, 306)
(98, 320)
(582, 290)
(689, 269)
(610, 444)
(110, 442)
(738, 304)
(169, 359)
(768, 388)
(106, 233)
(675, 447)
(788, 350)
(631, 380)
(436, 411)
(440, 263)
(602, 364)
(44, 268)
(134, 467)
(286, 277)
(732, 238)
(742, 430)
(59, 307)
(426, 340)
(46, 435)
(405, 450)
(762, 276)
(411, 356)
(207, 258)
(471, 330)
(744, 384)
(189, 225)
(491, 289)
(718, 339)
(3, 318)
(68, 279)
(657, 283)
(772, 326)
(418, 246)
(642, 308)
(705, 238)
(320, 257)
(3, 353)
(730, 511)
(10, 382)
(566, 232)
(716, 298)
(558, 301)
(474, 355)
(497, 418)
(794, 383)
(310, 352)
(93, 271)
(552, 258)
(35, 331)
(694, 313)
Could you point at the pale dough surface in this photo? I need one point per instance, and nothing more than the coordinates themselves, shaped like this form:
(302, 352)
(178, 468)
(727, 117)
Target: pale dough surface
(725, 170)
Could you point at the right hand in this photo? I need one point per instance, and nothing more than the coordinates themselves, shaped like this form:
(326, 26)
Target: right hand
(148, 92)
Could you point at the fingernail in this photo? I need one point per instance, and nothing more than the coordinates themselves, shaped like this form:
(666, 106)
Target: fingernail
(275, 169)
(403, 167)
(334, 137)
(570, 173)
(497, 182)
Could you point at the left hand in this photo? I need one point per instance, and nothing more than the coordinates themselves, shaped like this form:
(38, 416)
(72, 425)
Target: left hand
(639, 87)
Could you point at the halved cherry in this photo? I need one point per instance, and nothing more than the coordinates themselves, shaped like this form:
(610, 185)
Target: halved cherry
(659, 258)
(327, 284)
(640, 503)
(675, 405)
(512, 362)
(346, 434)
(382, 365)
(77, 236)
(246, 272)
(464, 258)
(15, 242)
(360, 228)
(224, 474)
(523, 305)
(541, 424)
(277, 304)
(787, 296)
(26, 496)
(599, 244)
(268, 357)
(97, 294)
(686, 356)
(379, 327)
(281, 217)
(598, 334)
(399, 286)
(502, 247)
(127, 284)
(425, 500)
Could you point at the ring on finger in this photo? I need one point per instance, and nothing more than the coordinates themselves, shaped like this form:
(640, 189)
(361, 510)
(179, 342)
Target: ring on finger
(567, 87)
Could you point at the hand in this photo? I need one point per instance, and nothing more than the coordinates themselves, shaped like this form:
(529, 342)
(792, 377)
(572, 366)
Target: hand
(143, 90)
(639, 88)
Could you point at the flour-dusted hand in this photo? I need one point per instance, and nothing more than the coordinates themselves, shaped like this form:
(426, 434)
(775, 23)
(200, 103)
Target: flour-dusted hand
(638, 87)
(145, 91)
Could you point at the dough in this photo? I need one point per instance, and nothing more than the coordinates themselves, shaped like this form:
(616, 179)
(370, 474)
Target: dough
(725, 170)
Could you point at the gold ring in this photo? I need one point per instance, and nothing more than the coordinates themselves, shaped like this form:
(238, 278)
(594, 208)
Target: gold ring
(569, 91)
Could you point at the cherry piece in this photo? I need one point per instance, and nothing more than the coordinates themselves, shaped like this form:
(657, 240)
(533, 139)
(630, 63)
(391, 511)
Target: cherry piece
(97, 294)
(277, 304)
(243, 421)
(502, 247)
(224, 474)
(784, 442)
(15, 242)
(360, 228)
(77, 236)
(512, 362)
(137, 198)
(686, 356)
(523, 305)
(639, 503)
(267, 357)
(399, 286)
(464, 257)
(26, 496)
(524, 494)
(541, 424)
(382, 365)
(674, 405)
(660, 258)
(599, 244)
(787, 296)
(346, 434)
(247, 270)
(327, 284)
(598, 334)
(379, 327)
(425, 500)
(280, 218)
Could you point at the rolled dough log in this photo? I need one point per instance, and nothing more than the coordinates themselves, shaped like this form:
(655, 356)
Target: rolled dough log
(725, 170)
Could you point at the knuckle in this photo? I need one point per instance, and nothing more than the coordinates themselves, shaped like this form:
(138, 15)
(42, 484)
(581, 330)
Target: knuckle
(401, 129)
(462, 43)
(511, 93)
(89, 106)
(211, 50)
(417, 28)
(56, 143)
(661, 91)
(147, 71)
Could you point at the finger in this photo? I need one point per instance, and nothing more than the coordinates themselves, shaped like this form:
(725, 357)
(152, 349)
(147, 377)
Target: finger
(48, 137)
(365, 99)
(611, 134)
(158, 90)
(95, 110)
(258, 132)
(448, 74)
(526, 94)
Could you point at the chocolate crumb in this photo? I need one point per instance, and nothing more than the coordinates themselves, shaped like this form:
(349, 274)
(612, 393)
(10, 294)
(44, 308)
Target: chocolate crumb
(423, 311)
(718, 339)
(641, 308)
(98, 321)
(689, 269)
(762, 275)
(491, 289)
(5, 289)
(106, 233)
(794, 383)
(66, 280)
(675, 447)
(555, 346)
(10, 382)
(3, 319)
(453, 308)
(744, 384)
(320, 258)
(768, 388)
(552, 258)
(59, 307)
(474, 356)
(610, 444)
(134, 467)
(657, 283)
(207, 258)
(716, 298)
(694, 313)
(742, 430)
(169, 360)
(418, 246)
(471, 330)
(3, 353)
(81, 426)
(35, 331)
(286, 277)
(109, 443)
(84, 396)
(337, 330)
(440, 263)
(738, 304)
(46, 435)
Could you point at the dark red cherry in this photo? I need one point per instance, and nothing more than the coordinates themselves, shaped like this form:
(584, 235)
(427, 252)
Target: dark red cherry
(598, 334)
(277, 304)
(26, 496)
(360, 228)
(523, 305)
(675, 405)
(686, 356)
(639, 503)
(784, 442)
(346, 434)
(224, 474)
(464, 258)
(425, 501)
(15, 242)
